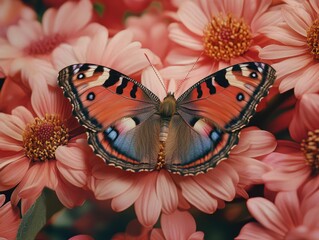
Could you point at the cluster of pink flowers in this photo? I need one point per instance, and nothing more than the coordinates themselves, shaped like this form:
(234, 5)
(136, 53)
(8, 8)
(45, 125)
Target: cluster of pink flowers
(42, 145)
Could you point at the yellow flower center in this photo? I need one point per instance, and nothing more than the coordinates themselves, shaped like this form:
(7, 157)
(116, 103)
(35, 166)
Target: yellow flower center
(42, 137)
(313, 39)
(226, 37)
(45, 45)
(310, 148)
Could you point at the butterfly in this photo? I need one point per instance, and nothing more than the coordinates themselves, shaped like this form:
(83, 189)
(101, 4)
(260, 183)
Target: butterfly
(130, 128)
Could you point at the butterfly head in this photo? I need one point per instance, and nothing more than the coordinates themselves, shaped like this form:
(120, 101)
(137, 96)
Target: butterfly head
(168, 106)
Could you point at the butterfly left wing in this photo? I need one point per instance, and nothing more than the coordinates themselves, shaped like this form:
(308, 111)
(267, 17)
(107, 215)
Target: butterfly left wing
(118, 112)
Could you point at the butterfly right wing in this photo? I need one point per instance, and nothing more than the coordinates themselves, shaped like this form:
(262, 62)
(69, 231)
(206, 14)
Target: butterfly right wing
(118, 112)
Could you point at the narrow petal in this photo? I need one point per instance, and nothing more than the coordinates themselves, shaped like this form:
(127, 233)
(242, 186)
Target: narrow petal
(267, 214)
(148, 206)
(311, 85)
(178, 225)
(274, 51)
(299, 22)
(166, 192)
(289, 207)
(252, 231)
(197, 196)
(127, 198)
(220, 181)
(179, 34)
(193, 17)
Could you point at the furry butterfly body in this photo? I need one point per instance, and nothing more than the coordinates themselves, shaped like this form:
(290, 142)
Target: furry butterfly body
(129, 127)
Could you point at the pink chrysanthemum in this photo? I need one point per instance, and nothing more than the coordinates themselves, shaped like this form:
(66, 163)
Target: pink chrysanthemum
(9, 219)
(225, 32)
(160, 191)
(119, 52)
(297, 51)
(292, 216)
(178, 225)
(42, 147)
(295, 162)
(30, 43)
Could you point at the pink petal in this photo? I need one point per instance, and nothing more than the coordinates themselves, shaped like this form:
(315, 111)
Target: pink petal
(72, 157)
(274, 51)
(285, 35)
(252, 231)
(113, 184)
(197, 196)
(13, 173)
(219, 182)
(267, 214)
(71, 17)
(2, 199)
(116, 44)
(193, 17)
(157, 234)
(196, 236)
(81, 237)
(24, 114)
(11, 129)
(304, 119)
(249, 170)
(178, 225)
(254, 142)
(69, 195)
(148, 206)
(179, 34)
(312, 83)
(167, 192)
(311, 218)
(289, 207)
(299, 22)
(48, 21)
(291, 65)
(127, 198)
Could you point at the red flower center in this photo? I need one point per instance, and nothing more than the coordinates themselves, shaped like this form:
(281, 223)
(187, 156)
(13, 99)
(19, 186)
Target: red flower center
(313, 38)
(310, 148)
(226, 37)
(42, 137)
(44, 45)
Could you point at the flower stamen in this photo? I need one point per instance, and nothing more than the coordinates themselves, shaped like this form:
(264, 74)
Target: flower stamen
(44, 45)
(313, 38)
(310, 148)
(226, 37)
(42, 137)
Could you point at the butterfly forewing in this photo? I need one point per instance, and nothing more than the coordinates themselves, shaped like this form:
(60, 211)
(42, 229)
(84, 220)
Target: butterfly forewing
(228, 97)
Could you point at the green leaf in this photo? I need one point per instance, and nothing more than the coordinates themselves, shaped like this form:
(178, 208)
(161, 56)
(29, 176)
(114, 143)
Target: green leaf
(99, 8)
(33, 220)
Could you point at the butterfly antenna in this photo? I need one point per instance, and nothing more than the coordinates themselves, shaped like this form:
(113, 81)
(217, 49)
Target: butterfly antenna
(155, 71)
(191, 69)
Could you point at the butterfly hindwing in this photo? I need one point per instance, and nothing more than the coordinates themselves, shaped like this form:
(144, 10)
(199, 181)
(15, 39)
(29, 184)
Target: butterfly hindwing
(228, 97)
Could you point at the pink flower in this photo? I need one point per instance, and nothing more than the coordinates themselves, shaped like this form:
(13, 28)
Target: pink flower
(119, 52)
(296, 52)
(291, 216)
(151, 29)
(30, 43)
(221, 33)
(43, 147)
(11, 12)
(295, 162)
(160, 191)
(9, 219)
(178, 225)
